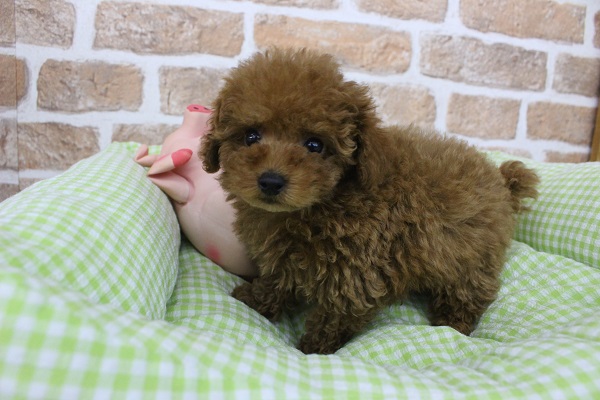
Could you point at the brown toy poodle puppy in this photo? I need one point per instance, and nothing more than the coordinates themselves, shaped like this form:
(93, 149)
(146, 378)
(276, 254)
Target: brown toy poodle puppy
(350, 216)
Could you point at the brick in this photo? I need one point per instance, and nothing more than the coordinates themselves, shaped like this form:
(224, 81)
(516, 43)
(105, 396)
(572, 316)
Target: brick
(13, 80)
(319, 4)
(472, 61)
(8, 144)
(544, 19)
(482, 117)
(8, 190)
(180, 87)
(142, 133)
(429, 10)
(45, 22)
(160, 29)
(89, 86)
(24, 183)
(7, 23)
(356, 46)
(567, 123)
(577, 75)
(558, 157)
(597, 29)
(404, 105)
(55, 146)
(22, 74)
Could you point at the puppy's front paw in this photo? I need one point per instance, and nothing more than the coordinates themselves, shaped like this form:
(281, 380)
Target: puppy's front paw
(243, 293)
(310, 344)
(254, 298)
(461, 326)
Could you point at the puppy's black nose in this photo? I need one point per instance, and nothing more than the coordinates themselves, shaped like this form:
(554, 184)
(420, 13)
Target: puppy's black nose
(271, 183)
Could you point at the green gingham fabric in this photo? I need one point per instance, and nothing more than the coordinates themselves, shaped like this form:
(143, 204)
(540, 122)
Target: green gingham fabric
(100, 298)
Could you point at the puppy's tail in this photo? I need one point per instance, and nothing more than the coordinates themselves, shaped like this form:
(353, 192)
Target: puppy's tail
(521, 181)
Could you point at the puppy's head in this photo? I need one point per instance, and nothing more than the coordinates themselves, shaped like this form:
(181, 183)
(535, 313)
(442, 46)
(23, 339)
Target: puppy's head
(286, 128)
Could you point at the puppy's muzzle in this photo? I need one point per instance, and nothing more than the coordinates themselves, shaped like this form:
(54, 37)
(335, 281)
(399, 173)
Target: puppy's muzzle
(271, 183)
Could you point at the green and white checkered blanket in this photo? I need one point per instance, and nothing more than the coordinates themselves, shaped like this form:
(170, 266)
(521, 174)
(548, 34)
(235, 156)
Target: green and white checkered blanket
(99, 298)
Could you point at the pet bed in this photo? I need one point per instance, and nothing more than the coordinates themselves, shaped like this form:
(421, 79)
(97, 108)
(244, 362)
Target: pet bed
(101, 298)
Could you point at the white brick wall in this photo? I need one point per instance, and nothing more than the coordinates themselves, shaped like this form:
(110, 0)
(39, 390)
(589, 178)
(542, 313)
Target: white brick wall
(416, 95)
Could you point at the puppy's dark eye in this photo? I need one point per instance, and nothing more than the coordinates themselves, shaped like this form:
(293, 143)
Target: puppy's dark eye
(252, 136)
(314, 145)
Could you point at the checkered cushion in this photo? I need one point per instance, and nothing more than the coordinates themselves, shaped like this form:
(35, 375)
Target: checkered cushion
(99, 298)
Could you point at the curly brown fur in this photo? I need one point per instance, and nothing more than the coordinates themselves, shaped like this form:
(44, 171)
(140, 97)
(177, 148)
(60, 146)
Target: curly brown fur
(377, 214)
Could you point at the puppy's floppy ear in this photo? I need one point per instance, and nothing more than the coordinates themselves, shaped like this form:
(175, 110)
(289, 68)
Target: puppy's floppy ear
(370, 157)
(210, 145)
(209, 153)
(371, 143)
